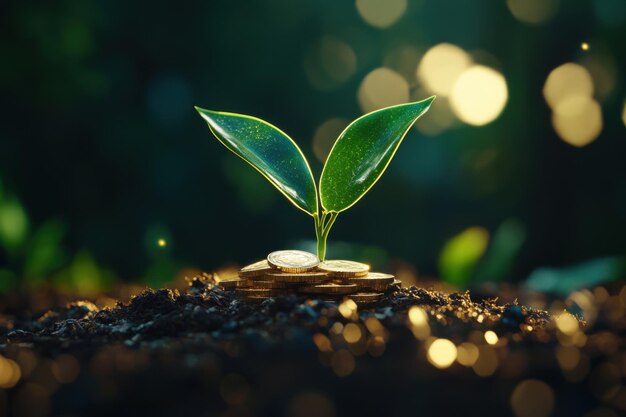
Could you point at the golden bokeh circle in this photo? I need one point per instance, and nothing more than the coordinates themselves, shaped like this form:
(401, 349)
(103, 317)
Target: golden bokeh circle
(479, 95)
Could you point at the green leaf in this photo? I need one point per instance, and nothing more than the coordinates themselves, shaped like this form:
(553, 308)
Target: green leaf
(270, 151)
(363, 151)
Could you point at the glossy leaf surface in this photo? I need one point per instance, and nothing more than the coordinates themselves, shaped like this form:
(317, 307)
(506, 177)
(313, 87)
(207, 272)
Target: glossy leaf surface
(270, 151)
(363, 151)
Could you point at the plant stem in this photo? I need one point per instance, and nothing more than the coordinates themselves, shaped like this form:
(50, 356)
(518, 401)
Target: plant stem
(322, 229)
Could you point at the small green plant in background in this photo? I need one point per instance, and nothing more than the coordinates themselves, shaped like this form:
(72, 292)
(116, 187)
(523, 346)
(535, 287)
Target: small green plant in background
(357, 160)
(32, 255)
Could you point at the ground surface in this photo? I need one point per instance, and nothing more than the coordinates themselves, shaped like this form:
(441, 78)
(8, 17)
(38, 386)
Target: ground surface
(204, 351)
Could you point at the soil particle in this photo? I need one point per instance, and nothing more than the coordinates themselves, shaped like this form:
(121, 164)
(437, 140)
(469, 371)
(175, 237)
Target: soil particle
(154, 316)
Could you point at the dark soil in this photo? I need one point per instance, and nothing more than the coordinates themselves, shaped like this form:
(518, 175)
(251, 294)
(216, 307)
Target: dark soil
(208, 352)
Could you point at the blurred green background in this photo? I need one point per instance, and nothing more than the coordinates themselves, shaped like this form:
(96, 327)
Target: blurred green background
(107, 173)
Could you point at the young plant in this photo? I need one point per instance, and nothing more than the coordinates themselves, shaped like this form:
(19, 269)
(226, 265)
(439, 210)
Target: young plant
(357, 160)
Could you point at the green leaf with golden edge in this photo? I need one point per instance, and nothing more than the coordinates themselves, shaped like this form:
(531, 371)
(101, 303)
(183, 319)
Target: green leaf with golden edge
(363, 151)
(270, 151)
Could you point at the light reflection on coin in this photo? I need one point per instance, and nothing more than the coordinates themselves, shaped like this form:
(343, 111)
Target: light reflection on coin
(256, 269)
(293, 260)
(365, 297)
(230, 283)
(259, 292)
(330, 289)
(344, 269)
(303, 278)
(374, 280)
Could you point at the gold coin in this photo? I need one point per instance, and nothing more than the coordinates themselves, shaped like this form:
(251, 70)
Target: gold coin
(299, 278)
(365, 297)
(259, 292)
(376, 277)
(374, 287)
(374, 280)
(273, 284)
(248, 292)
(229, 284)
(344, 269)
(329, 289)
(255, 270)
(293, 260)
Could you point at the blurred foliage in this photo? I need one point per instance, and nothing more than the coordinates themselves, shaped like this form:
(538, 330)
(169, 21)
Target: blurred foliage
(100, 145)
(587, 274)
(35, 255)
(473, 257)
(503, 252)
(461, 254)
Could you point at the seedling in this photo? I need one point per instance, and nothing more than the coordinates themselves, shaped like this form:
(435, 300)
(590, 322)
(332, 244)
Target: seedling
(357, 160)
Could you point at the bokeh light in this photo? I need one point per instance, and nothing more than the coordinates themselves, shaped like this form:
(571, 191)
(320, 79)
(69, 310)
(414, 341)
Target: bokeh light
(487, 361)
(533, 11)
(624, 113)
(467, 354)
(418, 321)
(342, 362)
(418, 316)
(578, 120)
(442, 353)
(479, 95)
(567, 324)
(381, 13)
(380, 88)
(576, 117)
(376, 328)
(348, 309)
(584, 46)
(325, 136)
(352, 333)
(491, 337)
(322, 342)
(10, 373)
(567, 80)
(329, 63)
(532, 398)
(441, 66)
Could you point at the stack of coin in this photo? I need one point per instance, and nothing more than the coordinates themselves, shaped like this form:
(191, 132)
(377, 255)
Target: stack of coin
(297, 272)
